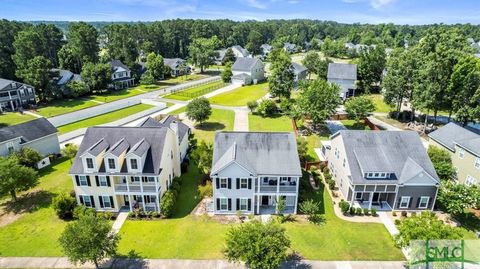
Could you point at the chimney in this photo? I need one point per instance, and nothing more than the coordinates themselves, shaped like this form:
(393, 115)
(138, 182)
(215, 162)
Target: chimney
(174, 126)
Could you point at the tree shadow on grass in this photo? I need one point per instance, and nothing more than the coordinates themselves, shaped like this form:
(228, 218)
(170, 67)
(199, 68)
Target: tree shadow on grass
(210, 126)
(131, 260)
(294, 260)
(469, 221)
(29, 202)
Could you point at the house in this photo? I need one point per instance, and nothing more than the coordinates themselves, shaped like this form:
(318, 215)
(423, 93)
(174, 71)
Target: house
(121, 75)
(252, 171)
(246, 71)
(385, 170)
(126, 168)
(61, 77)
(240, 52)
(15, 95)
(299, 71)
(266, 49)
(38, 134)
(464, 146)
(220, 56)
(345, 76)
(178, 67)
(289, 47)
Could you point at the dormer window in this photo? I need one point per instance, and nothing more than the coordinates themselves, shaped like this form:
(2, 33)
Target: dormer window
(89, 162)
(111, 163)
(133, 164)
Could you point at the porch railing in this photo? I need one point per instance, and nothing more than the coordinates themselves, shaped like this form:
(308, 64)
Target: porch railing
(135, 188)
(273, 188)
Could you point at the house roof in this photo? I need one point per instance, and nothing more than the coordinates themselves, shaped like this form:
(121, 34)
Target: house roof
(165, 122)
(65, 76)
(245, 64)
(242, 50)
(289, 46)
(221, 54)
(28, 131)
(118, 66)
(452, 134)
(115, 139)
(174, 63)
(261, 153)
(298, 68)
(342, 71)
(4, 83)
(398, 152)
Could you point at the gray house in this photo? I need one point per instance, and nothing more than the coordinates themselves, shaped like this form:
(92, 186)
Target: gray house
(247, 71)
(178, 67)
(37, 134)
(252, 171)
(290, 47)
(62, 77)
(385, 170)
(345, 76)
(121, 75)
(299, 71)
(14, 95)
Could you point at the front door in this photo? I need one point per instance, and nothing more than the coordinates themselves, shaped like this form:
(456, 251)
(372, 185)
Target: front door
(265, 200)
(376, 195)
(127, 201)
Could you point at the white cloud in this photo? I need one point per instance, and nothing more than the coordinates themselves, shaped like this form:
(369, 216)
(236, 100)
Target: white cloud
(376, 4)
(257, 4)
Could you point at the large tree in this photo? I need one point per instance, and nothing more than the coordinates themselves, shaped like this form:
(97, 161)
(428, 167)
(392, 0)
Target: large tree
(89, 240)
(456, 198)
(257, 244)
(203, 154)
(371, 64)
(28, 157)
(442, 162)
(199, 110)
(155, 65)
(281, 79)
(229, 57)
(82, 46)
(311, 61)
(203, 51)
(36, 72)
(8, 31)
(97, 76)
(122, 43)
(255, 40)
(15, 177)
(359, 107)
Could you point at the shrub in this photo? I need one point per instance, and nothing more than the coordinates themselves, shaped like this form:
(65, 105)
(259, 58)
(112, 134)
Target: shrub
(205, 190)
(309, 207)
(397, 222)
(156, 214)
(344, 206)
(322, 166)
(175, 186)
(373, 212)
(81, 211)
(365, 211)
(267, 108)
(184, 167)
(326, 170)
(352, 210)
(167, 203)
(316, 218)
(106, 215)
(331, 184)
(252, 105)
(64, 204)
(394, 213)
(413, 214)
(334, 194)
(358, 211)
(404, 213)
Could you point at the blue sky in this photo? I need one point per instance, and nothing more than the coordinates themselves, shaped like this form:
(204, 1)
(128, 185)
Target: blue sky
(349, 11)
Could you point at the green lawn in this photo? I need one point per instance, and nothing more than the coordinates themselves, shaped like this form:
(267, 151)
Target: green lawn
(314, 139)
(380, 105)
(36, 232)
(354, 125)
(195, 91)
(58, 107)
(278, 123)
(241, 96)
(180, 79)
(12, 118)
(104, 118)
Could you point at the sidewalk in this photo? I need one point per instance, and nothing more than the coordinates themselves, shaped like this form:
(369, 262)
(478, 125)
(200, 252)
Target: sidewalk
(241, 120)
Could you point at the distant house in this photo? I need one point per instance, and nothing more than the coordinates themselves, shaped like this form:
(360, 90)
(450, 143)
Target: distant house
(38, 134)
(385, 170)
(239, 51)
(121, 75)
(300, 72)
(266, 49)
(62, 77)
(246, 71)
(357, 47)
(345, 76)
(177, 66)
(289, 47)
(15, 95)
(220, 56)
(464, 146)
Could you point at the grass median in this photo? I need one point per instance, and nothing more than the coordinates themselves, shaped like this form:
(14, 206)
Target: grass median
(195, 92)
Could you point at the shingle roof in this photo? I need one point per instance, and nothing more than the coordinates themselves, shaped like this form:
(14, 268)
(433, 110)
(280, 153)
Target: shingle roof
(245, 64)
(298, 68)
(7, 82)
(116, 64)
(452, 134)
(261, 153)
(165, 122)
(342, 71)
(28, 131)
(173, 63)
(153, 138)
(397, 152)
(243, 51)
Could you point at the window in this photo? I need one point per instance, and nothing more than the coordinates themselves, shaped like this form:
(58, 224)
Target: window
(470, 181)
(111, 163)
(358, 196)
(89, 163)
(223, 183)
(106, 202)
(265, 180)
(223, 204)
(87, 201)
(243, 204)
(423, 202)
(376, 174)
(135, 179)
(382, 175)
(404, 202)
(461, 153)
(133, 164)
(83, 180)
(477, 163)
(103, 181)
(244, 183)
(150, 179)
(370, 174)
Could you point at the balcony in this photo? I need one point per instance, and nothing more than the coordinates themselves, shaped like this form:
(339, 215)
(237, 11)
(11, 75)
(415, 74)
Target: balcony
(136, 188)
(268, 188)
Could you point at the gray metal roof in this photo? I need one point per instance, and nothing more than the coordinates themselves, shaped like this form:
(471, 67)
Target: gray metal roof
(398, 152)
(245, 64)
(261, 153)
(452, 134)
(6, 83)
(165, 122)
(342, 71)
(28, 131)
(152, 137)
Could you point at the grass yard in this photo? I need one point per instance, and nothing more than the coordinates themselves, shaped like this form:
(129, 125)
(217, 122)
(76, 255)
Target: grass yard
(354, 125)
(104, 118)
(35, 233)
(58, 107)
(278, 123)
(180, 79)
(380, 105)
(122, 94)
(12, 118)
(195, 91)
(314, 139)
(241, 96)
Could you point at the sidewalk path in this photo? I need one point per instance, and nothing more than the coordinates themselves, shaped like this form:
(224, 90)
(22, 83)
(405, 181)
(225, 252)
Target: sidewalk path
(121, 218)
(32, 114)
(387, 221)
(241, 120)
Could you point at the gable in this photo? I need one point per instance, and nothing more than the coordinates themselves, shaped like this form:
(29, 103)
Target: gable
(233, 170)
(421, 179)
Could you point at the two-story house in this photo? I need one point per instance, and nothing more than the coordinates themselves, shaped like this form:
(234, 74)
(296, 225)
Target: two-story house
(385, 170)
(252, 171)
(464, 147)
(125, 167)
(299, 71)
(121, 75)
(246, 71)
(345, 76)
(240, 52)
(178, 67)
(14, 95)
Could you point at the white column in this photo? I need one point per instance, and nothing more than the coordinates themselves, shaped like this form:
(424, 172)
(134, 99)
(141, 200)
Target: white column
(158, 202)
(278, 184)
(128, 185)
(258, 195)
(141, 184)
(156, 184)
(130, 202)
(370, 199)
(143, 202)
(296, 197)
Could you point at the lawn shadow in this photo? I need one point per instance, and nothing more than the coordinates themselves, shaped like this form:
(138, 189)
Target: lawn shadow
(188, 197)
(3, 125)
(469, 221)
(294, 260)
(131, 260)
(210, 126)
(29, 202)
(306, 192)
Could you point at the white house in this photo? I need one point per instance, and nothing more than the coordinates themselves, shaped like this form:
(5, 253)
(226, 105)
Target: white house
(345, 76)
(252, 171)
(178, 67)
(121, 75)
(15, 95)
(240, 52)
(299, 71)
(246, 71)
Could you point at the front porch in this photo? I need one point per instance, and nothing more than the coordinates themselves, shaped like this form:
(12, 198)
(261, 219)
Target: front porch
(130, 202)
(267, 204)
(270, 210)
(379, 206)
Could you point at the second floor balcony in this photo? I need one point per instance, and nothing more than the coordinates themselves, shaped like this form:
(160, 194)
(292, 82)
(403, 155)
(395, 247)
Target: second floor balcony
(146, 187)
(274, 185)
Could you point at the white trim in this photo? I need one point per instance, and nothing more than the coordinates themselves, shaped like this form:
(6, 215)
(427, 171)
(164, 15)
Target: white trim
(220, 182)
(220, 203)
(420, 202)
(401, 201)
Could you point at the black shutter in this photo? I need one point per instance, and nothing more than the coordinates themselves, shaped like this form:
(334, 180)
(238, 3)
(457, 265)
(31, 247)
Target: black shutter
(249, 183)
(410, 203)
(218, 203)
(100, 199)
(81, 199)
(238, 204)
(111, 202)
(77, 180)
(217, 183)
(88, 180)
(418, 202)
(97, 181)
(108, 181)
(229, 204)
(229, 183)
(238, 183)
(249, 204)
(93, 201)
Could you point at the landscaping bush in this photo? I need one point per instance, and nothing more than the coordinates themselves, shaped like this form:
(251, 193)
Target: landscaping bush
(309, 207)
(373, 212)
(64, 204)
(352, 210)
(394, 213)
(184, 167)
(344, 206)
(106, 215)
(413, 214)
(252, 105)
(205, 190)
(175, 186)
(334, 194)
(167, 203)
(316, 218)
(156, 214)
(358, 211)
(397, 222)
(365, 211)
(322, 166)
(267, 108)
(404, 213)
(81, 211)
(325, 170)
